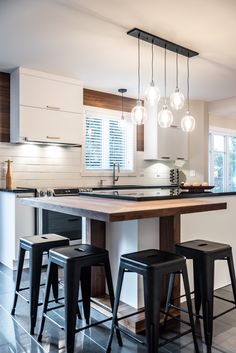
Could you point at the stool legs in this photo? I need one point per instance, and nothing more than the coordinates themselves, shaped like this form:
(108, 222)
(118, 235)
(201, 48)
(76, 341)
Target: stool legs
(18, 278)
(189, 304)
(111, 295)
(197, 291)
(72, 275)
(169, 295)
(86, 291)
(35, 275)
(50, 271)
(206, 280)
(116, 305)
(232, 274)
(152, 302)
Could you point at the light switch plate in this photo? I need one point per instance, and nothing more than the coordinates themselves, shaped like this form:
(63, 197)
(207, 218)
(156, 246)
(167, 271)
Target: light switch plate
(192, 173)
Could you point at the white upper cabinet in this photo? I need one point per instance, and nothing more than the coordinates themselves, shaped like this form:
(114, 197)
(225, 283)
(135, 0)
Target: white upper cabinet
(46, 108)
(164, 143)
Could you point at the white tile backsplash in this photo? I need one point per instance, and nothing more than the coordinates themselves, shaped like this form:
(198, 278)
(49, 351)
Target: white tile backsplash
(54, 166)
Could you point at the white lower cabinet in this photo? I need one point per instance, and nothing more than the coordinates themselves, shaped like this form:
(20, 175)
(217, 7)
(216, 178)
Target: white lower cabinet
(16, 220)
(164, 143)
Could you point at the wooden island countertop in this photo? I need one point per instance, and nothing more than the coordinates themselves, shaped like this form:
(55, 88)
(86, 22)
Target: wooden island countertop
(110, 210)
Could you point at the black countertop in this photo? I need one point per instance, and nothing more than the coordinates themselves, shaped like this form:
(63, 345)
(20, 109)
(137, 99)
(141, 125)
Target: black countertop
(152, 193)
(19, 190)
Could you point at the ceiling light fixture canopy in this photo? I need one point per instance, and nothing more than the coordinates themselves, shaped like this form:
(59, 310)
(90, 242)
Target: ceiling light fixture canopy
(165, 116)
(138, 113)
(122, 121)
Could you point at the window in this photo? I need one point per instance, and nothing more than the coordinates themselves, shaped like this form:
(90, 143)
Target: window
(107, 142)
(222, 161)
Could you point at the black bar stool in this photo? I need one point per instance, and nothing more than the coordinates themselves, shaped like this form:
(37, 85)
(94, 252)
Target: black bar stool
(204, 253)
(36, 245)
(76, 262)
(152, 265)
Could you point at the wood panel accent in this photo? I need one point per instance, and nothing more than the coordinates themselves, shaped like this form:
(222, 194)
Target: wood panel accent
(140, 138)
(4, 107)
(107, 100)
(113, 102)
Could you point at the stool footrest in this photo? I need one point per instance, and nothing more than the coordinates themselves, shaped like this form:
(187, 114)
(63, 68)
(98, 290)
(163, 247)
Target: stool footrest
(223, 313)
(226, 300)
(176, 318)
(53, 321)
(169, 340)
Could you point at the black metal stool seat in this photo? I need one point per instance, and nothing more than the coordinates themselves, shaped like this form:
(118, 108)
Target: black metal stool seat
(76, 262)
(204, 253)
(36, 245)
(152, 265)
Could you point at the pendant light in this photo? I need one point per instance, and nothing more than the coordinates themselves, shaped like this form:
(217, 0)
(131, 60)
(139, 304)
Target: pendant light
(177, 98)
(188, 121)
(152, 93)
(138, 113)
(122, 121)
(165, 116)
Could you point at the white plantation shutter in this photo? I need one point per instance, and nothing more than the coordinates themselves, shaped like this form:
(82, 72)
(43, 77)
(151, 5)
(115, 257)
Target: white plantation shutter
(108, 143)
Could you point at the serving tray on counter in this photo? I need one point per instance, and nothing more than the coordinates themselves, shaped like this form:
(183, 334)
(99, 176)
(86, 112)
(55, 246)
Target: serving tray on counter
(193, 188)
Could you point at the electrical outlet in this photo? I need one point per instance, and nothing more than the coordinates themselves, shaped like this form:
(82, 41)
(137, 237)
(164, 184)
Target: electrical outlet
(192, 173)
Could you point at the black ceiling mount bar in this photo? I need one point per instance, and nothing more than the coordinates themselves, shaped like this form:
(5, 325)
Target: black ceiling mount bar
(163, 43)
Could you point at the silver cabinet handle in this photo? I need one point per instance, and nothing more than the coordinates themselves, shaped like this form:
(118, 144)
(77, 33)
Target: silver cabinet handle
(165, 157)
(53, 137)
(52, 107)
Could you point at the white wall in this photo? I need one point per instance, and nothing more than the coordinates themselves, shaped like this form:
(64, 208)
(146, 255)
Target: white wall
(222, 122)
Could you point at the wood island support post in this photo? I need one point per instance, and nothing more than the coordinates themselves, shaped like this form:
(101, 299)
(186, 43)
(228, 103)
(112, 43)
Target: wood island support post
(96, 235)
(169, 236)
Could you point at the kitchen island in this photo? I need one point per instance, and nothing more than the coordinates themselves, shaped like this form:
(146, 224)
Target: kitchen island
(125, 226)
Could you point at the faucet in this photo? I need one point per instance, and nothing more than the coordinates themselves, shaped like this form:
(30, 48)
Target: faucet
(114, 177)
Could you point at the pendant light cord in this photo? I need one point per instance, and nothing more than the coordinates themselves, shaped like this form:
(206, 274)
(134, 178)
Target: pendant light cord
(138, 68)
(177, 69)
(152, 62)
(165, 73)
(122, 107)
(188, 81)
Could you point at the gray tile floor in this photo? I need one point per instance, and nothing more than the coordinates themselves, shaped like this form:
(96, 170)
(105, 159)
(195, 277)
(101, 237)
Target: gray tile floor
(14, 336)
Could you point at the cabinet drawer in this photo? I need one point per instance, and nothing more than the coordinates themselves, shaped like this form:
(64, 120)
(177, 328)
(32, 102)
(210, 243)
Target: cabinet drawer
(50, 94)
(50, 126)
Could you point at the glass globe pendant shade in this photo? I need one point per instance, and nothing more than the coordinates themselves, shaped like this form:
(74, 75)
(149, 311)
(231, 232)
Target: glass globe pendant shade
(152, 94)
(177, 99)
(188, 122)
(165, 117)
(138, 113)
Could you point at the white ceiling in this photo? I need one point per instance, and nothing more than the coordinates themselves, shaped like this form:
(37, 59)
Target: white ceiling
(87, 39)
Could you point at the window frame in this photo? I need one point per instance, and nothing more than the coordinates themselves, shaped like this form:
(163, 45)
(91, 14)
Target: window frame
(226, 133)
(116, 114)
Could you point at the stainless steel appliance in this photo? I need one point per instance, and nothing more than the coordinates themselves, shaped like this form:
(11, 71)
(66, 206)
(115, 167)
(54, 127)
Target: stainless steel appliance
(72, 227)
